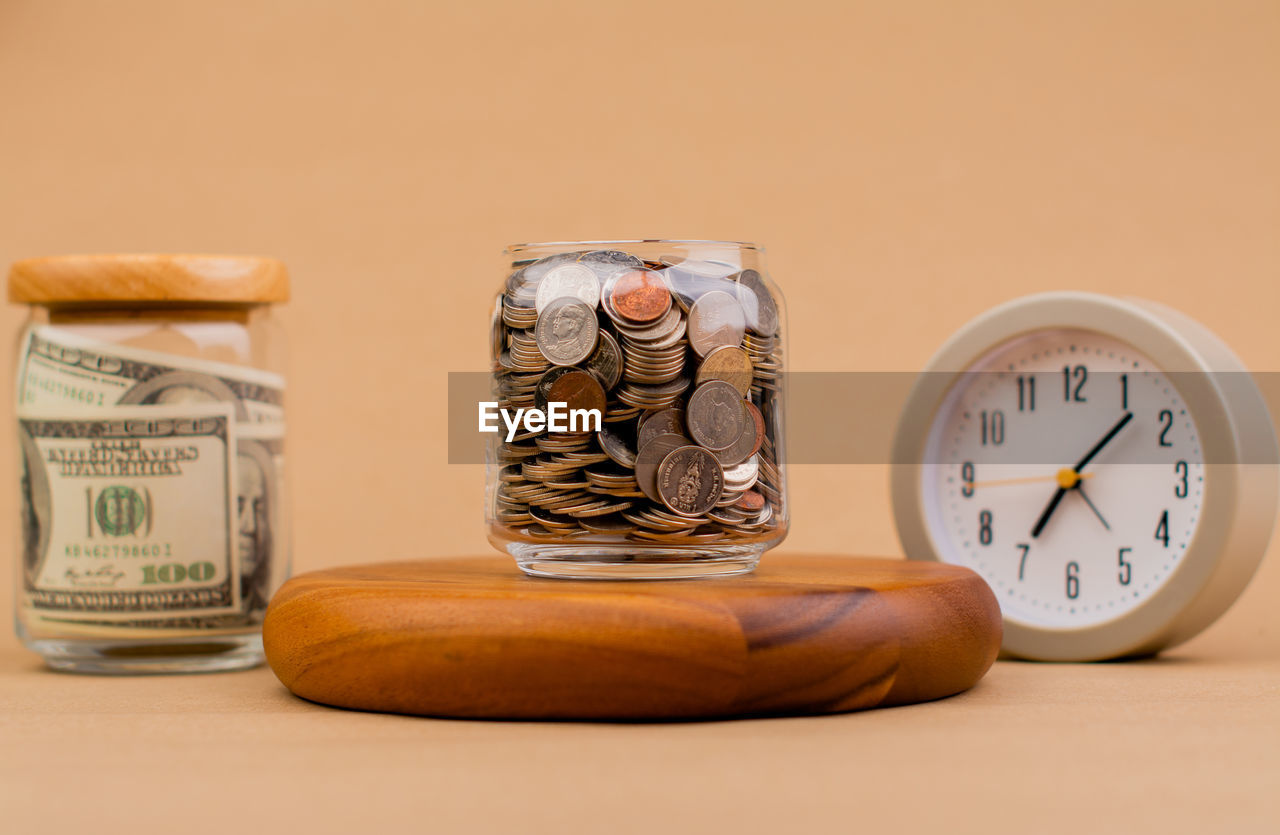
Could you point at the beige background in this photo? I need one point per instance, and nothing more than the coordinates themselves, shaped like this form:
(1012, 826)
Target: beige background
(907, 165)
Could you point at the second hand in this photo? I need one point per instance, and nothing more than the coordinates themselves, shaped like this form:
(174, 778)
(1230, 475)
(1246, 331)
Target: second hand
(1034, 479)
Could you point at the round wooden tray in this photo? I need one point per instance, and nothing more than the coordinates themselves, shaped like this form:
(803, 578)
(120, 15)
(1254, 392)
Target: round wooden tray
(473, 637)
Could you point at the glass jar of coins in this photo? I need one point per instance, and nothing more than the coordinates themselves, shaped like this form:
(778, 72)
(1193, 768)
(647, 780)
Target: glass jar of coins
(150, 423)
(641, 390)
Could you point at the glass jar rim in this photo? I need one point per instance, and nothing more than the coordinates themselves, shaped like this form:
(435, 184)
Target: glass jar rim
(524, 247)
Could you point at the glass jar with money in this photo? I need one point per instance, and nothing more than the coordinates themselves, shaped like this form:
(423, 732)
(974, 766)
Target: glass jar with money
(150, 423)
(639, 410)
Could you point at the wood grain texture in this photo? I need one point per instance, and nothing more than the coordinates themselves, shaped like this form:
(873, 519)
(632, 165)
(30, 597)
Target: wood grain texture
(221, 279)
(473, 637)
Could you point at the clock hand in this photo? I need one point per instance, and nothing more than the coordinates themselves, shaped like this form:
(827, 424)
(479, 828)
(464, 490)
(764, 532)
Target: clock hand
(1033, 479)
(1088, 501)
(1106, 439)
(1063, 487)
(1048, 511)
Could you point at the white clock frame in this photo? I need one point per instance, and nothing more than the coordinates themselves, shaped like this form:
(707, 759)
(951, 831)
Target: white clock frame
(1241, 470)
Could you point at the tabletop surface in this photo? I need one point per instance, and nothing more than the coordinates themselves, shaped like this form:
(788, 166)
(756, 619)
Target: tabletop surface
(907, 166)
(1180, 743)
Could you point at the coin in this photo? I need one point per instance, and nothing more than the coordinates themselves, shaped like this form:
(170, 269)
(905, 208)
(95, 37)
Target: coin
(664, 422)
(700, 268)
(606, 362)
(532, 274)
(648, 459)
(689, 281)
(572, 281)
(758, 420)
(729, 363)
(562, 487)
(653, 397)
(637, 296)
(690, 481)
(716, 415)
(577, 390)
(498, 336)
(743, 447)
(608, 525)
(757, 303)
(541, 394)
(716, 319)
(566, 331)
(615, 445)
(611, 259)
(659, 331)
(742, 476)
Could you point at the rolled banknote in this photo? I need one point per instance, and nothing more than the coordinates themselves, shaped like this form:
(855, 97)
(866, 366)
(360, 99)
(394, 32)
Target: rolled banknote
(87, 384)
(129, 513)
(58, 368)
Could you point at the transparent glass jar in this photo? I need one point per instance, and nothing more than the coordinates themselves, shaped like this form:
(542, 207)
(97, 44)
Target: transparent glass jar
(150, 420)
(676, 349)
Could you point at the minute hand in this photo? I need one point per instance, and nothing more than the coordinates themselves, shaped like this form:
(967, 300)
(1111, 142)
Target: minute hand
(1080, 465)
(1106, 439)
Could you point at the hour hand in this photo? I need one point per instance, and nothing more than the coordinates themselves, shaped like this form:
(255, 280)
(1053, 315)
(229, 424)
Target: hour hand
(1048, 511)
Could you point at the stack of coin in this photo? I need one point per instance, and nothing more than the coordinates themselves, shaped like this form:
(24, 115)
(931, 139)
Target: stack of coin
(683, 360)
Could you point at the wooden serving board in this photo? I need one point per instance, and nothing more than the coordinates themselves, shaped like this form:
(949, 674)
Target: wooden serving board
(474, 637)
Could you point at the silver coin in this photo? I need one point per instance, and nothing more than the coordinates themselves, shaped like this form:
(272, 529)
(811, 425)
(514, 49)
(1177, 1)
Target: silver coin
(607, 261)
(573, 281)
(606, 362)
(716, 320)
(566, 331)
(742, 448)
(670, 339)
(690, 481)
(687, 287)
(535, 272)
(757, 303)
(698, 267)
(716, 416)
(659, 331)
(742, 476)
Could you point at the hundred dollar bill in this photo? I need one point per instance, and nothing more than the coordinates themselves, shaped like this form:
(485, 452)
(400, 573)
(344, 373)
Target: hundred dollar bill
(140, 513)
(64, 371)
(261, 529)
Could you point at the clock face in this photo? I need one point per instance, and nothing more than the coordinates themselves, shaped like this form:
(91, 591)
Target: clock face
(1068, 472)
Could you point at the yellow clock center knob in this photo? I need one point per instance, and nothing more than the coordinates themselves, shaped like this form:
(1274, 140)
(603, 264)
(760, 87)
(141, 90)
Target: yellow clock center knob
(1068, 478)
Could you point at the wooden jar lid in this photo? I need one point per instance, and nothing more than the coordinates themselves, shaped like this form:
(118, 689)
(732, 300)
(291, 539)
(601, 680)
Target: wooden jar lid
(224, 279)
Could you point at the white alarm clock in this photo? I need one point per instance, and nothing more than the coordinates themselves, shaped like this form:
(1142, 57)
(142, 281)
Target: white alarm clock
(1108, 466)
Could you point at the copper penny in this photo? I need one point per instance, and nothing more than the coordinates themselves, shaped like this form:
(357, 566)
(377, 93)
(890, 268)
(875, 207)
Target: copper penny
(577, 390)
(758, 420)
(690, 481)
(648, 459)
(750, 501)
(640, 296)
(729, 363)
